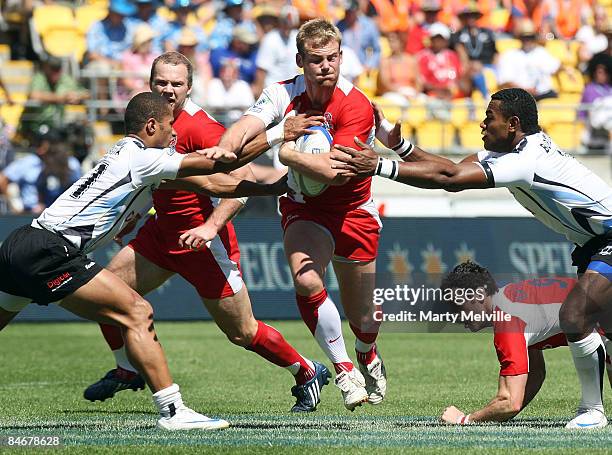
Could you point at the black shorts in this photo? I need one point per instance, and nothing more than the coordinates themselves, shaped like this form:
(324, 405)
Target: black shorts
(596, 249)
(42, 266)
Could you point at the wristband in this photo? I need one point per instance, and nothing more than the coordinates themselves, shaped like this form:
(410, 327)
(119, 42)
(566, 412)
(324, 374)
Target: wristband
(383, 131)
(387, 168)
(463, 420)
(276, 134)
(404, 148)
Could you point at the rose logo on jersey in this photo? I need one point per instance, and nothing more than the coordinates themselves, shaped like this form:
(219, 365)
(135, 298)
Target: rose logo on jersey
(399, 265)
(328, 121)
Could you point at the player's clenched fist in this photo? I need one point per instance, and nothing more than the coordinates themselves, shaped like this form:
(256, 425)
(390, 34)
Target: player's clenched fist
(198, 237)
(452, 415)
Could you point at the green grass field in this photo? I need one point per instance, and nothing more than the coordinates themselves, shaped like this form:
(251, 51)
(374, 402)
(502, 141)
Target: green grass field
(45, 368)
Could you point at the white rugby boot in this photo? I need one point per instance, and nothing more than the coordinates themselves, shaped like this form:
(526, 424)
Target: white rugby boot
(185, 418)
(352, 385)
(587, 419)
(375, 380)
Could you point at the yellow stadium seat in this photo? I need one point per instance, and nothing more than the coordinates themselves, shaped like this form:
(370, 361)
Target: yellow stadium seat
(435, 135)
(470, 137)
(552, 111)
(385, 49)
(490, 79)
(561, 50)
(45, 17)
(65, 42)
(460, 113)
(507, 44)
(11, 114)
(392, 111)
(86, 15)
(367, 81)
(570, 81)
(498, 19)
(566, 135)
(416, 114)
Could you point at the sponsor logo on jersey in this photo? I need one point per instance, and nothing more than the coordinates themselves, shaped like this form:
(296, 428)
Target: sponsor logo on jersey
(59, 281)
(328, 120)
(90, 265)
(606, 251)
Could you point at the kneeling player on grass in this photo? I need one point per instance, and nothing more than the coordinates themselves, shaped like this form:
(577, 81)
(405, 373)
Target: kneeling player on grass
(46, 261)
(556, 188)
(525, 320)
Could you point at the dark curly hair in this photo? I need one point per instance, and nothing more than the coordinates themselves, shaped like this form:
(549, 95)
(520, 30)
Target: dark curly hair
(516, 102)
(469, 275)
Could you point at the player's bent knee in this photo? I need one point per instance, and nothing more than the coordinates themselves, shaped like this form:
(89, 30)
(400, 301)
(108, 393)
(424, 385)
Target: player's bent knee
(139, 313)
(571, 319)
(308, 283)
(244, 335)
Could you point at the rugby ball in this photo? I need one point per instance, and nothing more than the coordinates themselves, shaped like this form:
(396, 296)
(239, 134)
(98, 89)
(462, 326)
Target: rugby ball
(319, 141)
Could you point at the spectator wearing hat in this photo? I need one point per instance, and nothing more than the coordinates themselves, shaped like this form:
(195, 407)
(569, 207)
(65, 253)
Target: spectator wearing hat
(36, 170)
(266, 18)
(230, 17)
(241, 48)
(440, 67)
(137, 62)
(360, 33)
(531, 67)
(475, 46)
(182, 9)
(109, 38)
(50, 90)
(417, 38)
(228, 93)
(146, 13)
(202, 71)
(276, 55)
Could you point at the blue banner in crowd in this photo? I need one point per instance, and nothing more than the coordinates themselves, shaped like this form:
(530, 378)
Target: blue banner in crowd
(408, 246)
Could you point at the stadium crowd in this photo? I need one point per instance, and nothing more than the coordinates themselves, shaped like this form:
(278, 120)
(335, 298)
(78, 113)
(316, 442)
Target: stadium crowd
(430, 63)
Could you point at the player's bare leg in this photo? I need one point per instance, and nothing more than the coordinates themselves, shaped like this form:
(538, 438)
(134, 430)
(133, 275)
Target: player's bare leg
(578, 316)
(109, 300)
(309, 249)
(10, 306)
(234, 316)
(356, 281)
(143, 276)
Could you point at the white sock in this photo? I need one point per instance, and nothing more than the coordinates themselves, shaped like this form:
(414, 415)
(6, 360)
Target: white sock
(168, 400)
(329, 332)
(360, 346)
(589, 358)
(294, 368)
(122, 361)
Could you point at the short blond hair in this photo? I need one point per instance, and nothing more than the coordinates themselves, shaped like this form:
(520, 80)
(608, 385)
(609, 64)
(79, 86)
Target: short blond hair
(318, 32)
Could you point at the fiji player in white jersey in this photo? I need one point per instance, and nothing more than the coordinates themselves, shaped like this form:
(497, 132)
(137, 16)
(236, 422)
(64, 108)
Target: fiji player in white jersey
(46, 261)
(556, 188)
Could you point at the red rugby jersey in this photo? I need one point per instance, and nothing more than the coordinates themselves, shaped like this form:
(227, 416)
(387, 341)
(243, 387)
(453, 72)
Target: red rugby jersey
(183, 210)
(348, 114)
(534, 324)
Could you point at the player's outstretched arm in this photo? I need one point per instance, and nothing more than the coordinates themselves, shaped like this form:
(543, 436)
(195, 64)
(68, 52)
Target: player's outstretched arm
(226, 186)
(432, 174)
(507, 403)
(316, 166)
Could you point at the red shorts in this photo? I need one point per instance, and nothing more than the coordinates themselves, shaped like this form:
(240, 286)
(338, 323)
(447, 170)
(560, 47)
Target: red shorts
(214, 270)
(355, 233)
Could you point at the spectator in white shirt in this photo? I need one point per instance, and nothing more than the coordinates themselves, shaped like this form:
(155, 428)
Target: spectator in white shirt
(228, 93)
(531, 67)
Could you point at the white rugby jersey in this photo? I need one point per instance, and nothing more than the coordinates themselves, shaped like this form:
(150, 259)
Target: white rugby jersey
(559, 191)
(94, 209)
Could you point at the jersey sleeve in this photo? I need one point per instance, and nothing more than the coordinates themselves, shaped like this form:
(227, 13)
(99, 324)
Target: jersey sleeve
(151, 166)
(267, 108)
(508, 169)
(357, 120)
(511, 347)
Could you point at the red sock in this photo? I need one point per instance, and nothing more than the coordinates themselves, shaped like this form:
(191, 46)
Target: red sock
(112, 335)
(270, 344)
(309, 308)
(343, 366)
(367, 355)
